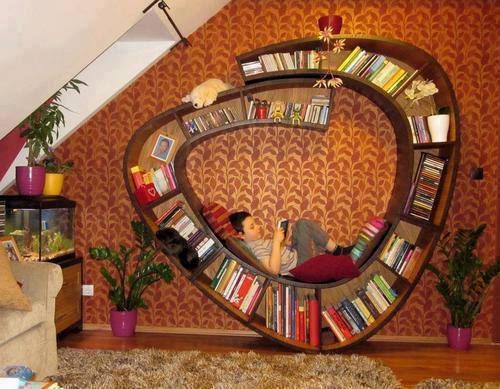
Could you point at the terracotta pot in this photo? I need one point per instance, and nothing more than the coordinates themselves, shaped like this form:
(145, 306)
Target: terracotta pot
(30, 180)
(53, 184)
(459, 338)
(123, 322)
(333, 21)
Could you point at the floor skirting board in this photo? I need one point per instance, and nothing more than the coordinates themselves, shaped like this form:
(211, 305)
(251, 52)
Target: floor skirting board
(248, 333)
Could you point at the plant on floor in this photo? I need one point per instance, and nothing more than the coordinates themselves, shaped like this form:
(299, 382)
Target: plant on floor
(134, 275)
(466, 280)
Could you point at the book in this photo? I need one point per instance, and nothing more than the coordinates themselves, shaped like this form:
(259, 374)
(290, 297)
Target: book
(314, 322)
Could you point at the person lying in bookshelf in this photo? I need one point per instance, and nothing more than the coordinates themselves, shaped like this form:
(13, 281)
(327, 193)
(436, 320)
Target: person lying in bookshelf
(308, 240)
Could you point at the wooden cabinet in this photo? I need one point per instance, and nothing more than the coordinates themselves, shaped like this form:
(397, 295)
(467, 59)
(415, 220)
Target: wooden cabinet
(191, 127)
(69, 300)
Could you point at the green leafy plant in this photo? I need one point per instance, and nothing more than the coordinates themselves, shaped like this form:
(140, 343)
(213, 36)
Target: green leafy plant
(42, 126)
(134, 275)
(466, 281)
(53, 165)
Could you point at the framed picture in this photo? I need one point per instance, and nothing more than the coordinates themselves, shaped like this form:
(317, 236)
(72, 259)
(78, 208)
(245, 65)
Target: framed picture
(9, 243)
(163, 148)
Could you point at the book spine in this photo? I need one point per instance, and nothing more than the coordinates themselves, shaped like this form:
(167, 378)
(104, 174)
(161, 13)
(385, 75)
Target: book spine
(314, 322)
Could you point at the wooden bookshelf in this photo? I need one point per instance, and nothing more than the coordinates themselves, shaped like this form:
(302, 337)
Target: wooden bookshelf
(295, 85)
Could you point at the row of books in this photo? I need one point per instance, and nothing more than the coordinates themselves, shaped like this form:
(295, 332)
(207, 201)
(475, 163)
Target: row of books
(292, 316)
(400, 255)
(376, 68)
(351, 316)
(425, 186)
(151, 185)
(308, 113)
(274, 62)
(237, 285)
(175, 217)
(210, 120)
(366, 235)
(2, 218)
(419, 129)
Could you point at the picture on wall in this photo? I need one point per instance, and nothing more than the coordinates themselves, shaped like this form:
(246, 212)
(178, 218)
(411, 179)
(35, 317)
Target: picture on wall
(163, 148)
(10, 246)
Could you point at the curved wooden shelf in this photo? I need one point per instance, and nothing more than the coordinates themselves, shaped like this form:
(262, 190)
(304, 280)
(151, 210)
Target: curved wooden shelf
(298, 83)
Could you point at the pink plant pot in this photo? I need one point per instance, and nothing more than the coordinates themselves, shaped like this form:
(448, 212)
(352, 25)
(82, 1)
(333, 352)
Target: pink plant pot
(30, 180)
(459, 338)
(333, 21)
(123, 322)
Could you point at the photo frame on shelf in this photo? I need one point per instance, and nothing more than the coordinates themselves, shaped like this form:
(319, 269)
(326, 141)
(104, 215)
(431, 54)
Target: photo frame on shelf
(10, 246)
(163, 147)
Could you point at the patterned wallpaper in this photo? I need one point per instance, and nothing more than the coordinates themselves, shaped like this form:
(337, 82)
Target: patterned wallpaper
(339, 178)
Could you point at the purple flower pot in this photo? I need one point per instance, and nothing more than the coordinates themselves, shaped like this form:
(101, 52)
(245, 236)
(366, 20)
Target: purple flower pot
(30, 180)
(123, 322)
(459, 338)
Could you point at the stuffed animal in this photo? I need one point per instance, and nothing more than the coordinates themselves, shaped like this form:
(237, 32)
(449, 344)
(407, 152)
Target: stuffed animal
(206, 93)
(177, 246)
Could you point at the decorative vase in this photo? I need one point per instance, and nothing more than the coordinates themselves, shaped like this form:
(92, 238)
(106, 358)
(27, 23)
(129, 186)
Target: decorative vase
(30, 180)
(261, 112)
(123, 322)
(53, 184)
(458, 338)
(438, 127)
(333, 21)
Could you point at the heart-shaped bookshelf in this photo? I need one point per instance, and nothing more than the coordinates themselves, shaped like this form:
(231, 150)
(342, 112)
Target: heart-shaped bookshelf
(353, 309)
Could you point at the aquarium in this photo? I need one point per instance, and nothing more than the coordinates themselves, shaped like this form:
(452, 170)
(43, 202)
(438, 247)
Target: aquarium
(42, 227)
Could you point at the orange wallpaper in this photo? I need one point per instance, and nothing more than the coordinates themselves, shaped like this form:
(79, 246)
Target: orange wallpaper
(339, 178)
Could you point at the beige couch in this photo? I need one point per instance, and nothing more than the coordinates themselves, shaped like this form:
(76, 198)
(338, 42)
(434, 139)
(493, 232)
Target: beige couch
(29, 338)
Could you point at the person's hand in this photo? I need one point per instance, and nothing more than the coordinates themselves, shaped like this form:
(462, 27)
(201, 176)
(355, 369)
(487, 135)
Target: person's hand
(279, 235)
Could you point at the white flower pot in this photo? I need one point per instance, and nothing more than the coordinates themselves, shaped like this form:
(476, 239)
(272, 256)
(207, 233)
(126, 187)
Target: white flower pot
(438, 127)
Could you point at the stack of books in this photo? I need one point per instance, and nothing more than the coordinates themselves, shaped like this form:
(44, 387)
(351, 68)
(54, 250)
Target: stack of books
(175, 217)
(365, 236)
(288, 314)
(400, 255)
(276, 62)
(351, 316)
(237, 285)
(2, 218)
(210, 120)
(377, 69)
(425, 186)
(419, 129)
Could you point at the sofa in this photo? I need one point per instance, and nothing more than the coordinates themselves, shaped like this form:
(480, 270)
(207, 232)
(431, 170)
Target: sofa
(28, 337)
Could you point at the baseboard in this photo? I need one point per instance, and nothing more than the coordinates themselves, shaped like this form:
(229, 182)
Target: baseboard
(249, 333)
(177, 331)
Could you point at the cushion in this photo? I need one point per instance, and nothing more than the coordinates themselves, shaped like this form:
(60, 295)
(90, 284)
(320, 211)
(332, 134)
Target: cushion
(368, 240)
(326, 268)
(11, 295)
(218, 218)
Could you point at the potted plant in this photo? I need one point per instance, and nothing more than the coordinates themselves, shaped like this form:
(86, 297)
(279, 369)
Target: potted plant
(41, 129)
(131, 277)
(439, 124)
(464, 284)
(54, 174)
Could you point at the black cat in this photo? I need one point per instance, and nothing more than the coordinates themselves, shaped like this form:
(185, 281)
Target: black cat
(177, 246)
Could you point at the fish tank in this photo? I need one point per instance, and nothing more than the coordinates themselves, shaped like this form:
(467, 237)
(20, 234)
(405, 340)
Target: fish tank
(43, 227)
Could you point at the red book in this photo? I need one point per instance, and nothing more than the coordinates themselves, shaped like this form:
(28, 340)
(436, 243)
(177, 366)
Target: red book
(340, 322)
(314, 322)
(146, 193)
(137, 176)
(245, 287)
(302, 325)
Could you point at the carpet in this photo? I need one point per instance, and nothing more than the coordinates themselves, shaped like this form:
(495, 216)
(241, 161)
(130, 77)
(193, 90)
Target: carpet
(435, 383)
(153, 368)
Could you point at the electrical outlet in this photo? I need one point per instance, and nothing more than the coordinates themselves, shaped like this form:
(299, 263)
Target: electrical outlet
(87, 290)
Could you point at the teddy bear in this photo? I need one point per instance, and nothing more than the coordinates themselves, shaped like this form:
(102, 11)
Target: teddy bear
(206, 93)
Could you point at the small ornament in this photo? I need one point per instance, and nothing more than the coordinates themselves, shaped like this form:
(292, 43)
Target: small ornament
(278, 113)
(296, 119)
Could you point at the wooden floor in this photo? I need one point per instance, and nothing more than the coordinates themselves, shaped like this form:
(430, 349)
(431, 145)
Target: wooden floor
(411, 362)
